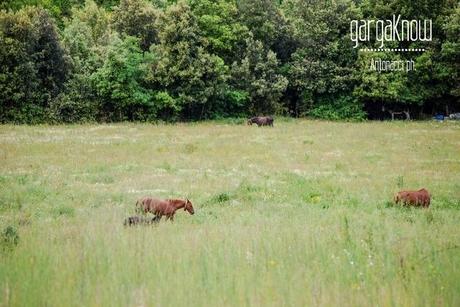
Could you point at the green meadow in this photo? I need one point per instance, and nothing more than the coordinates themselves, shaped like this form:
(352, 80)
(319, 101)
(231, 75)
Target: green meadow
(296, 215)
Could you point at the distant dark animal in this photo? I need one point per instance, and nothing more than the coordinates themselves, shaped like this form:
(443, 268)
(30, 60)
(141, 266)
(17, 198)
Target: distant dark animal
(398, 112)
(413, 198)
(261, 121)
(160, 207)
(135, 220)
(455, 116)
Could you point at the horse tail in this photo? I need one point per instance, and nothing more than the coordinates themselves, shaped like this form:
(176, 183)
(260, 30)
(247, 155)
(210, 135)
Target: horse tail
(428, 199)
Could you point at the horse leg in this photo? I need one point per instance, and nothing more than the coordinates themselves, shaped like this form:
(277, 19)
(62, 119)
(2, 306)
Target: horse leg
(407, 115)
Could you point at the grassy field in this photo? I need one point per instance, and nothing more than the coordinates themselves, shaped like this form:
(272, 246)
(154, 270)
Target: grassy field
(299, 214)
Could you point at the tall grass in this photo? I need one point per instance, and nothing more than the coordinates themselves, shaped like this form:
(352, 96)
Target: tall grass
(298, 214)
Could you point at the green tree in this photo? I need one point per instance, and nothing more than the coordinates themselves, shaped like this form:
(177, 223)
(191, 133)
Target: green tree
(195, 59)
(321, 70)
(119, 83)
(193, 78)
(385, 87)
(86, 37)
(18, 80)
(430, 84)
(137, 18)
(269, 26)
(450, 54)
(224, 35)
(257, 77)
(56, 8)
(34, 64)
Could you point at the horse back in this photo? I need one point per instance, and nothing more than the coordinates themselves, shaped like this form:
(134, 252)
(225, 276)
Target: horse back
(416, 198)
(153, 205)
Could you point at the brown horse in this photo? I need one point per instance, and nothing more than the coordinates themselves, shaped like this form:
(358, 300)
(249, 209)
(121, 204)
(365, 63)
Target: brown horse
(413, 198)
(160, 207)
(261, 121)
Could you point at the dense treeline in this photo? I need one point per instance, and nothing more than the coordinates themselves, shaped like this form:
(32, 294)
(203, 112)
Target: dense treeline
(110, 60)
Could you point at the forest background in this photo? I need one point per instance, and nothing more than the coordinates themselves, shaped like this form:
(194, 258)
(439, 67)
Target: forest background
(138, 60)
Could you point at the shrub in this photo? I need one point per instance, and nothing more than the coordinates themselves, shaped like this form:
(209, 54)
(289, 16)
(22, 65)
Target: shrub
(342, 108)
(10, 238)
(221, 197)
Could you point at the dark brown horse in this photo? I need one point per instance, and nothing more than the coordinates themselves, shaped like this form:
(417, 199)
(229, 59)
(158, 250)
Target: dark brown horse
(135, 220)
(261, 121)
(413, 198)
(160, 207)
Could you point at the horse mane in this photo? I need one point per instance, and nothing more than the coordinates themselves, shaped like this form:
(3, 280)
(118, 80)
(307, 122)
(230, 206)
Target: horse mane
(176, 201)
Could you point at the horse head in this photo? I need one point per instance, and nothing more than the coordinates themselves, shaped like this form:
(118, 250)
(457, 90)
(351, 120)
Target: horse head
(189, 206)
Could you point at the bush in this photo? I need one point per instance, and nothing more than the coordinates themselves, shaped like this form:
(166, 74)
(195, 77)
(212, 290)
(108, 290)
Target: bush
(222, 198)
(68, 109)
(10, 238)
(343, 108)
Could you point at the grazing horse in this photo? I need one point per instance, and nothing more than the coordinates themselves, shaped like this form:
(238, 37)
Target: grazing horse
(413, 198)
(261, 121)
(160, 207)
(135, 220)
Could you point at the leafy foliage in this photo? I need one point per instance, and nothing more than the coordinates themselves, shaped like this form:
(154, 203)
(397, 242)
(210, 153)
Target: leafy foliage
(113, 60)
(257, 76)
(118, 82)
(34, 65)
(137, 18)
(194, 78)
(341, 108)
